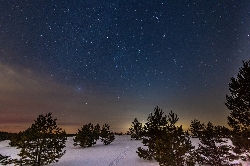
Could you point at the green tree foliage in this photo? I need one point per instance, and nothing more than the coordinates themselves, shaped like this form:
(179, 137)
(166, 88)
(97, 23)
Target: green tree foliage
(166, 143)
(87, 136)
(40, 144)
(106, 135)
(239, 104)
(136, 129)
(213, 148)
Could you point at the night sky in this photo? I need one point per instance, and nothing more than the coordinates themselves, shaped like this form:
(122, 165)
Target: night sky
(116, 60)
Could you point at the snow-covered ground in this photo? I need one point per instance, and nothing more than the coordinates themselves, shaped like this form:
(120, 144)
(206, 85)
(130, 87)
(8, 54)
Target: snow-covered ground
(121, 152)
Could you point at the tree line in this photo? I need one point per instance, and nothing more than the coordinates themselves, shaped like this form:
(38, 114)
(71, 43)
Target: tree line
(44, 142)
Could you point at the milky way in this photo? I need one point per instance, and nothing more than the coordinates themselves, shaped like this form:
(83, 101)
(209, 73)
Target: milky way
(111, 61)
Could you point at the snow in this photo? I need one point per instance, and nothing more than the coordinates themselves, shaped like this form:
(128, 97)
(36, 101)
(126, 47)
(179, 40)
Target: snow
(7, 150)
(121, 152)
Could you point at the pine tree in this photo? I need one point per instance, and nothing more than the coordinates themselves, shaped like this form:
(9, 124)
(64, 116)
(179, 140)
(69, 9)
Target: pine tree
(87, 136)
(166, 143)
(106, 135)
(41, 144)
(239, 104)
(136, 129)
(174, 147)
(213, 148)
(151, 131)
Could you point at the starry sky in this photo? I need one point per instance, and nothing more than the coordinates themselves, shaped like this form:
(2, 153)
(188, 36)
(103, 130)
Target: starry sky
(116, 60)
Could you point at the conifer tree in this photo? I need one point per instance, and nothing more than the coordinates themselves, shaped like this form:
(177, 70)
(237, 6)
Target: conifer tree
(151, 131)
(239, 104)
(106, 135)
(136, 129)
(174, 147)
(166, 143)
(87, 136)
(40, 144)
(213, 148)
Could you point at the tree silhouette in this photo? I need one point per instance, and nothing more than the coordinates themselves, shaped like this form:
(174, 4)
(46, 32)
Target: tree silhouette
(239, 104)
(166, 143)
(106, 135)
(40, 144)
(87, 136)
(152, 130)
(136, 129)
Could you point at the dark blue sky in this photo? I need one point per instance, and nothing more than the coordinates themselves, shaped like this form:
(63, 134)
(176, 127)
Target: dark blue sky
(112, 61)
